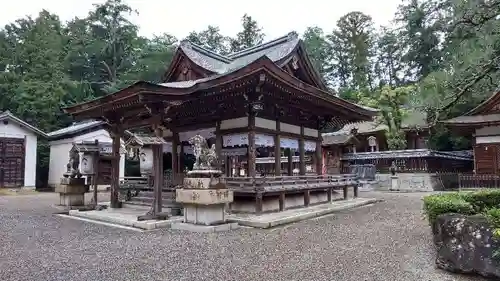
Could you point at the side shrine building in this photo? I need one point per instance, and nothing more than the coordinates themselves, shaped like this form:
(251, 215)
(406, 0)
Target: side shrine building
(483, 122)
(263, 102)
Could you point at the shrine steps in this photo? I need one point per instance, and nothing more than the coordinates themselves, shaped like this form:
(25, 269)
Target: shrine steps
(145, 200)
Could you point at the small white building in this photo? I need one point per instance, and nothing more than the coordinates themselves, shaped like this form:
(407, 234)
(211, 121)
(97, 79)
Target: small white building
(62, 140)
(18, 149)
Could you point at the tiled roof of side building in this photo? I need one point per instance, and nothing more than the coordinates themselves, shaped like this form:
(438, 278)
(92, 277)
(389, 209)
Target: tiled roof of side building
(75, 128)
(8, 115)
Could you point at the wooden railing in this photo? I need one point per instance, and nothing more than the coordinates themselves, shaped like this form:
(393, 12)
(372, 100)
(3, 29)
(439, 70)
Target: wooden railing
(474, 181)
(280, 187)
(279, 183)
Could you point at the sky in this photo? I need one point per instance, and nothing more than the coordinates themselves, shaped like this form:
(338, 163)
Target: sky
(178, 18)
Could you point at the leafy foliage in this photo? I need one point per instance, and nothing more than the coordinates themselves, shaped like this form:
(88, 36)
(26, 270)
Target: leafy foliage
(439, 57)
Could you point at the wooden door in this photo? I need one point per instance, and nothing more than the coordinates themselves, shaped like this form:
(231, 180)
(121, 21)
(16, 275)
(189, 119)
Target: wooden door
(104, 172)
(12, 154)
(486, 158)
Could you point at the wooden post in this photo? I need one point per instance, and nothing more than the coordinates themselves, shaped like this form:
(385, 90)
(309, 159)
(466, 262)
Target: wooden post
(258, 202)
(302, 162)
(158, 176)
(218, 145)
(277, 150)
(251, 144)
(181, 159)
(282, 201)
(175, 164)
(319, 158)
(329, 194)
(307, 198)
(95, 173)
(290, 161)
(115, 167)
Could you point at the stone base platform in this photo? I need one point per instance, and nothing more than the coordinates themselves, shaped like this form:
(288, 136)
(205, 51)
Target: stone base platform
(288, 216)
(204, 228)
(124, 217)
(128, 217)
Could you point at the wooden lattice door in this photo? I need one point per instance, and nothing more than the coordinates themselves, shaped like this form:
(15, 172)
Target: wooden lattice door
(104, 171)
(12, 154)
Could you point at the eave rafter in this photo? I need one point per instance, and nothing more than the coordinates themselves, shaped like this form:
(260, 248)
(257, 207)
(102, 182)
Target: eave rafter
(189, 102)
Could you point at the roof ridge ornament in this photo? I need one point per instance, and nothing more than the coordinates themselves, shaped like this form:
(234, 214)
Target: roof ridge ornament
(186, 43)
(292, 35)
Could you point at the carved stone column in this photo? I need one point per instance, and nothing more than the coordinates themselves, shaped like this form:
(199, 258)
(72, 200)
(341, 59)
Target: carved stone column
(302, 162)
(251, 145)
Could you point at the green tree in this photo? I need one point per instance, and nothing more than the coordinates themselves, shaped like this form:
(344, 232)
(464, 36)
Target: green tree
(251, 35)
(353, 42)
(318, 49)
(389, 67)
(210, 38)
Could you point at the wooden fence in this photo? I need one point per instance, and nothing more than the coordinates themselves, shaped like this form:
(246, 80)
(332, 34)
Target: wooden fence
(477, 181)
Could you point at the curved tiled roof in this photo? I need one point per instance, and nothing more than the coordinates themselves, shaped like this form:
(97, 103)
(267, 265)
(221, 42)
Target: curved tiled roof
(275, 50)
(8, 115)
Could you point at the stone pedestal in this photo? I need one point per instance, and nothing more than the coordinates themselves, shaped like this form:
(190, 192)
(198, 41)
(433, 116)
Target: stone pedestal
(72, 192)
(204, 206)
(204, 198)
(394, 183)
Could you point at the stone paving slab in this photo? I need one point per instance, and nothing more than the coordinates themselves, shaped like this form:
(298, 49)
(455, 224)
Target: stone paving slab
(288, 216)
(204, 228)
(126, 217)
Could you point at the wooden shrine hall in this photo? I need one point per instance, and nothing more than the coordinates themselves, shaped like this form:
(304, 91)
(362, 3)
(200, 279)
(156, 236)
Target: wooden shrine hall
(265, 96)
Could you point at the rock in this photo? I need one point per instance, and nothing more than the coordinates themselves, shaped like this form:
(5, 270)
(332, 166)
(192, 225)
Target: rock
(465, 245)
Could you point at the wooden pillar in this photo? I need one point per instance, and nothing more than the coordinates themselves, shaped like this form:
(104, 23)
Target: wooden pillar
(302, 162)
(319, 158)
(251, 145)
(158, 176)
(115, 167)
(290, 161)
(181, 159)
(218, 146)
(277, 150)
(95, 174)
(175, 157)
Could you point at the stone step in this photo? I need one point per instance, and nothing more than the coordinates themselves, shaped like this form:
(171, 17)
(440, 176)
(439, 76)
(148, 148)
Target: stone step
(149, 200)
(164, 195)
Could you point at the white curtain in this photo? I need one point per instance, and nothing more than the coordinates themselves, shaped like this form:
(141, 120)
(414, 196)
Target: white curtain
(206, 133)
(289, 143)
(309, 146)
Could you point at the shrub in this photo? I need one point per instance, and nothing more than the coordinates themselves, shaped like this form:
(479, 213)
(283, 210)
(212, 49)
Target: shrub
(493, 216)
(435, 205)
(483, 200)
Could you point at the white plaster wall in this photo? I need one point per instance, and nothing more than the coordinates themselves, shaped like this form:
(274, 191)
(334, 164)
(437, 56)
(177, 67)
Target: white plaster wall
(265, 123)
(311, 132)
(59, 154)
(234, 123)
(488, 131)
(13, 130)
(289, 128)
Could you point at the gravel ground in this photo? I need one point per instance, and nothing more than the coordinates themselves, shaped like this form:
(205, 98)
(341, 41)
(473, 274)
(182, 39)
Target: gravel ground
(385, 241)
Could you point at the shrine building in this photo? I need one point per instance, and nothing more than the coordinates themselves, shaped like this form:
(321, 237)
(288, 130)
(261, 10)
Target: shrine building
(265, 102)
(483, 122)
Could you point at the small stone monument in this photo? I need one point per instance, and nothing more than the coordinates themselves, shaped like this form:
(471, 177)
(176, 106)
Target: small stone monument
(394, 178)
(72, 188)
(204, 193)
